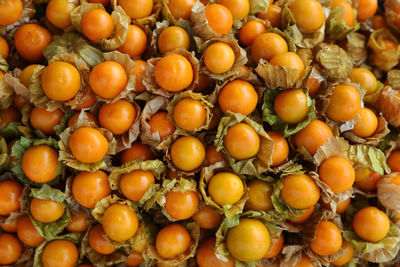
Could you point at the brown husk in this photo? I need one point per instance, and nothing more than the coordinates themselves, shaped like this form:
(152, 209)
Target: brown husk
(389, 193)
(381, 58)
(334, 61)
(126, 140)
(356, 48)
(389, 106)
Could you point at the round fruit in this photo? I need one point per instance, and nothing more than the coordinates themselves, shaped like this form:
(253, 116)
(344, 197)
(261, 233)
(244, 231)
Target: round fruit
(213, 156)
(259, 194)
(273, 15)
(181, 205)
(219, 57)
(10, 248)
(58, 13)
(134, 259)
(135, 184)
(137, 9)
(366, 9)
(46, 210)
(303, 10)
(347, 256)
(276, 246)
(43, 120)
(313, 85)
(303, 216)
(239, 8)
(338, 173)
(371, 224)
(4, 49)
(181, 8)
(249, 32)
(207, 217)
(30, 40)
(268, 45)
(10, 192)
(366, 180)
(97, 24)
(88, 145)
(86, 101)
(187, 153)
(300, 191)
(394, 161)
(137, 151)
(190, 114)
(367, 125)
(225, 188)
(120, 222)
(242, 141)
(26, 74)
(348, 14)
(206, 255)
(138, 71)
(291, 105)
(327, 239)
(10, 227)
(248, 241)
(78, 223)
(344, 103)
(173, 37)
(27, 232)
(364, 78)
(219, 18)
(281, 148)
(160, 124)
(172, 240)
(60, 252)
(173, 73)
(61, 75)
(40, 163)
(135, 43)
(239, 97)
(10, 11)
(314, 135)
(98, 242)
(7, 116)
(290, 60)
(117, 117)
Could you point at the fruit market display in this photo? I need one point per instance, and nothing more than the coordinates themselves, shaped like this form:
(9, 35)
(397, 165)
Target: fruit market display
(206, 133)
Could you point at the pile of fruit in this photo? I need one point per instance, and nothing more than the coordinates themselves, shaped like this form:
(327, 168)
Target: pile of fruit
(199, 133)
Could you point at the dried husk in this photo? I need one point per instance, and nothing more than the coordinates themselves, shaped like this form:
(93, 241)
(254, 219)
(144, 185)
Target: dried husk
(255, 165)
(27, 15)
(196, 96)
(73, 237)
(6, 93)
(15, 130)
(391, 16)
(356, 47)
(381, 131)
(286, 129)
(153, 106)
(182, 185)
(381, 58)
(12, 79)
(389, 106)
(149, 80)
(281, 77)
(388, 193)
(17, 152)
(73, 45)
(120, 20)
(149, 20)
(228, 210)
(240, 56)
(300, 37)
(372, 98)
(393, 78)
(50, 230)
(4, 154)
(155, 166)
(337, 28)
(68, 159)
(73, 205)
(100, 260)
(194, 231)
(335, 63)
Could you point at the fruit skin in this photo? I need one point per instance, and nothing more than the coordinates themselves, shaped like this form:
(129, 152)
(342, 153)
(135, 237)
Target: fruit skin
(135, 43)
(289, 60)
(300, 191)
(207, 217)
(304, 9)
(88, 145)
(137, 9)
(27, 232)
(239, 97)
(219, 18)
(367, 125)
(259, 193)
(219, 57)
(225, 188)
(135, 184)
(371, 224)
(10, 248)
(238, 8)
(58, 252)
(173, 37)
(190, 114)
(281, 148)
(181, 8)
(344, 103)
(188, 147)
(291, 105)
(159, 123)
(348, 15)
(172, 240)
(117, 117)
(338, 173)
(10, 11)
(314, 135)
(97, 241)
(58, 13)
(40, 163)
(242, 141)
(347, 255)
(181, 205)
(97, 24)
(267, 45)
(120, 222)
(206, 255)
(327, 239)
(46, 210)
(249, 32)
(10, 192)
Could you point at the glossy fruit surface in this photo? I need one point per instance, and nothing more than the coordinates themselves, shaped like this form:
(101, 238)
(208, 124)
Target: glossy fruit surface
(135, 43)
(10, 192)
(30, 40)
(259, 193)
(300, 191)
(172, 240)
(108, 79)
(219, 18)
(303, 10)
(58, 12)
(40, 163)
(27, 232)
(219, 57)
(10, 249)
(135, 184)
(137, 9)
(187, 153)
(181, 205)
(97, 24)
(327, 239)
(10, 11)
(46, 210)
(190, 114)
(225, 188)
(344, 103)
(206, 255)
(120, 222)
(88, 145)
(338, 173)
(291, 105)
(117, 117)
(173, 37)
(371, 224)
(98, 242)
(59, 252)
(314, 135)
(241, 141)
(239, 97)
(267, 45)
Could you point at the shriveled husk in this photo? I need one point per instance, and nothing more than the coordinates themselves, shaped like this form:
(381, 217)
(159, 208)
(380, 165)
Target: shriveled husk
(194, 231)
(391, 16)
(149, 20)
(73, 237)
(301, 37)
(240, 56)
(182, 185)
(17, 152)
(372, 98)
(388, 193)
(153, 106)
(228, 210)
(381, 58)
(156, 167)
(393, 78)
(27, 16)
(15, 130)
(221, 251)
(6, 93)
(50, 230)
(12, 79)
(196, 96)
(356, 48)
(4, 154)
(389, 106)
(255, 165)
(337, 28)
(68, 159)
(118, 16)
(149, 80)
(334, 62)
(286, 129)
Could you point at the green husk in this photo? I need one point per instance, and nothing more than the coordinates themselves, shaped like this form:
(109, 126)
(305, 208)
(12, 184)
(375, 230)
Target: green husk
(381, 58)
(120, 20)
(277, 124)
(335, 62)
(155, 166)
(73, 44)
(283, 210)
(228, 210)
(194, 231)
(50, 230)
(6, 94)
(368, 157)
(382, 251)
(337, 28)
(14, 130)
(75, 238)
(17, 152)
(4, 155)
(356, 47)
(196, 96)
(255, 165)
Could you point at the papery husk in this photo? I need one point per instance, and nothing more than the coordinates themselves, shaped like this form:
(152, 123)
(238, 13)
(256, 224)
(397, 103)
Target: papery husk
(337, 28)
(155, 166)
(356, 47)
(381, 58)
(145, 235)
(255, 165)
(27, 15)
(50, 230)
(73, 205)
(73, 237)
(68, 159)
(4, 154)
(286, 129)
(120, 20)
(15, 130)
(149, 80)
(259, 6)
(389, 106)
(23, 199)
(228, 210)
(316, 74)
(381, 131)
(73, 45)
(389, 193)
(372, 98)
(12, 79)
(279, 76)
(301, 37)
(240, 56)
(6, 94)
(393, 78)
(153, 106)
(382, 251)
(196, 96)
(291, 255)
(182, 185)
(335, 63)
(194, 231)
(149, 20)
(19, 149)
(391, 16)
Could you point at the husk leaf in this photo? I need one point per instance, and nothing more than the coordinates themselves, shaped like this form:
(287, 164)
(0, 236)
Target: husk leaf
(6, 94)
(381, 131)
(337, 28)
(388, 193)
(381, 57)
(14, 130)
(335, 62)
(389, 106)
(356, 47)
(4, 156)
